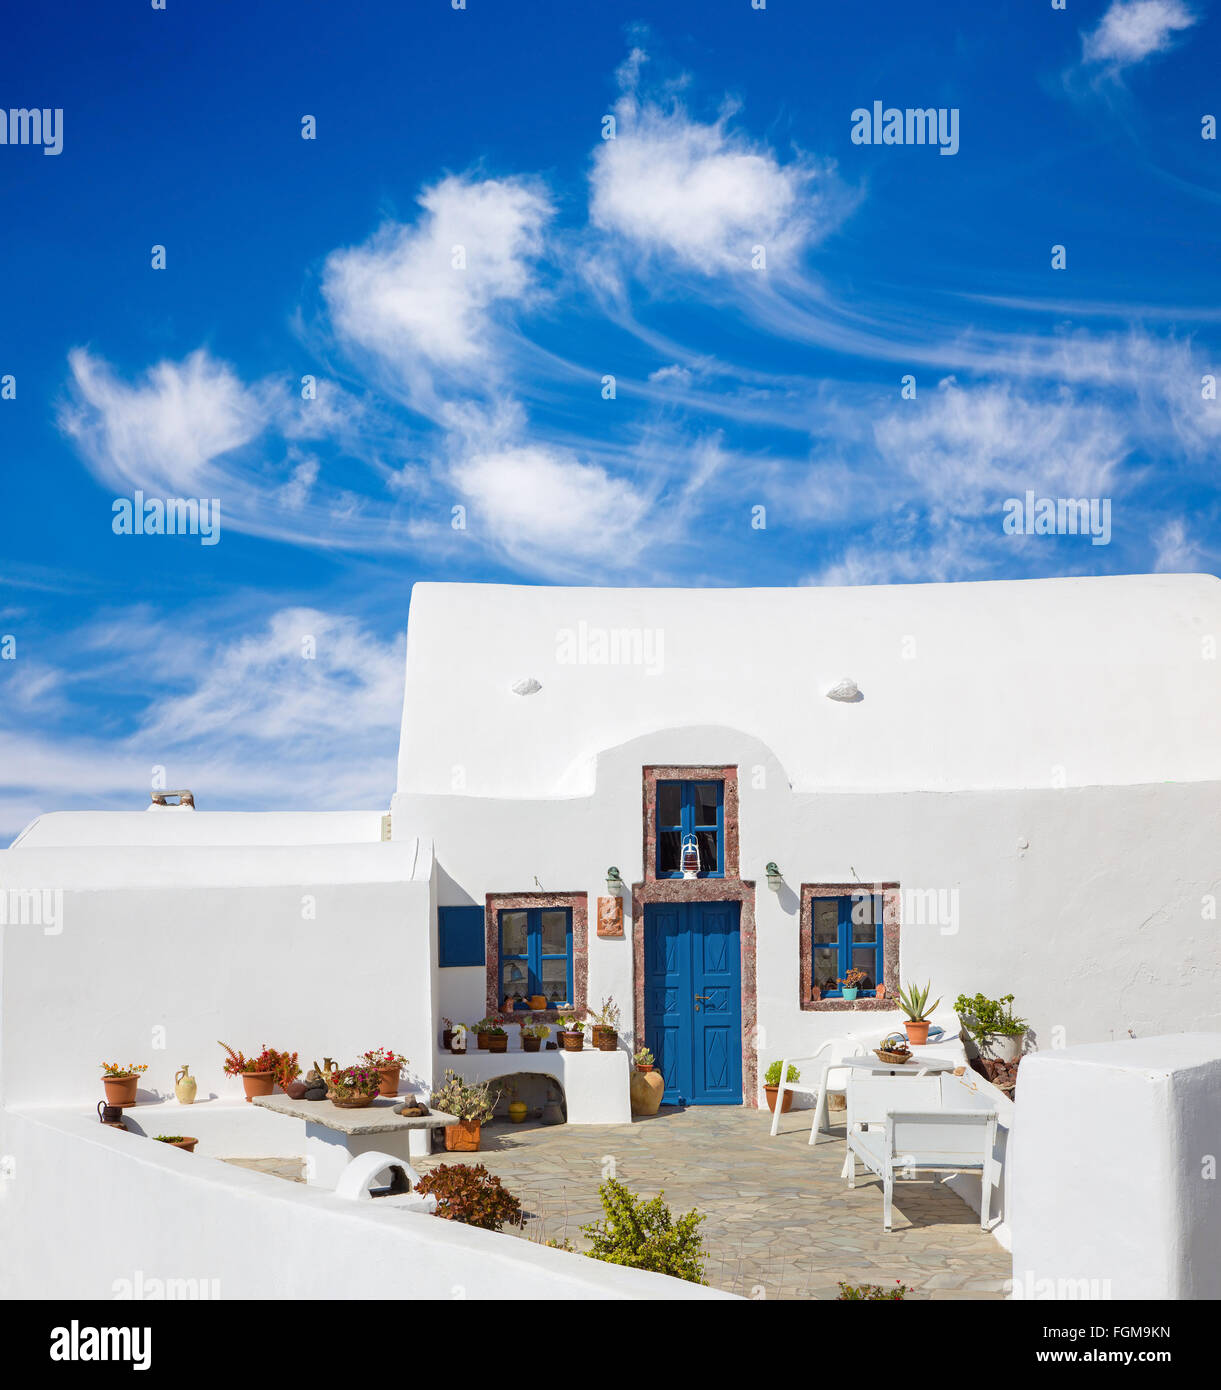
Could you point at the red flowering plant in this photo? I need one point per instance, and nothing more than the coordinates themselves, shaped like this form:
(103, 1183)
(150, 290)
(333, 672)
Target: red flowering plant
(384, 1057)
(117, 1069)
(359, 1080)
(282, 1065)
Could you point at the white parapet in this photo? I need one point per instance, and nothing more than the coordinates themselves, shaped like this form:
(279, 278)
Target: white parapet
(1114, 1170)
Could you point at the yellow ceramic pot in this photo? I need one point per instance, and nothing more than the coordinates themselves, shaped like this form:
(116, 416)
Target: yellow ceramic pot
(517, 1111)
(184, 1086)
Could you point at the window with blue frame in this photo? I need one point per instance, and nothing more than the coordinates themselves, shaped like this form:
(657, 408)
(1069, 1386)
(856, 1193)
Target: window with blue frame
(691, 813)
(536, 953)
(846, 934)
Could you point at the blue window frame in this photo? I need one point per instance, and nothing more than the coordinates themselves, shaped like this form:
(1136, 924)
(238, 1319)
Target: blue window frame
(536, 953)
(686, 809)
(460, 936)
(846, 933)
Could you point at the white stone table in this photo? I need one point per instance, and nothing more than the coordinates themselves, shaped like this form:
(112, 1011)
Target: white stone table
(334, 1135)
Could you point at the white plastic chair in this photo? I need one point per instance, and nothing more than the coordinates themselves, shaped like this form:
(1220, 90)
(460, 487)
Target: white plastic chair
(838, 1049)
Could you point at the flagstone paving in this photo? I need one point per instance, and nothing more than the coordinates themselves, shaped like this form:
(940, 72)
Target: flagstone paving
(781, 1222)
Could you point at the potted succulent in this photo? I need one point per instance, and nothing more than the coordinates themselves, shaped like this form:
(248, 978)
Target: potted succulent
(532, 1035)
(991, 1024)
(483, 1031)
(473, 1105)
(389, 1066)
(179, 1141)
(260, 1074)
(571, 1034)
(771, 1084)
(605, 1022)
(646, 1086)
(352, 1088)
(447, 1032)
(121, 1081)
(498, 1039)
(852, 982)
(914, 1003)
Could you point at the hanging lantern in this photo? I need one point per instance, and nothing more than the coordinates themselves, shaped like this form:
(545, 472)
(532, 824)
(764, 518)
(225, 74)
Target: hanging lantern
(691, 857)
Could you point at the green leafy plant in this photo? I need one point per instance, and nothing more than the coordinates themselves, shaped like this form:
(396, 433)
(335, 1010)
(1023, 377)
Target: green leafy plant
(644, 1058)
(114, 1069)
(644, 1235)
(607, 1016)
(535, 1030)
(471, 1104)
(283, 1065)
(772, 1075)
(914, 1002)
(384, 1057)
(485, 1025)
(170, 1138)
(984, 1017)
(346, 1083)
(470, 1194)
(871, 1293)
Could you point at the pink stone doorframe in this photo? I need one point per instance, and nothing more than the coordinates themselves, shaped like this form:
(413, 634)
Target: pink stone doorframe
(706, 890)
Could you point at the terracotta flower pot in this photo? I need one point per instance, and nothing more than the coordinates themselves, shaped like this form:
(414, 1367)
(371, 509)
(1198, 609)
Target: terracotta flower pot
(462, 1137)
(645, 1090)
(187, 1144)
(390, 1080)
(531, 1044)
(572, 1042)
(917, 1030)
(785, 1106)
(498, 1042)
(258, 1083)
(447, 1037)
(481, 1041)
(121, 1090)
(606, 1039)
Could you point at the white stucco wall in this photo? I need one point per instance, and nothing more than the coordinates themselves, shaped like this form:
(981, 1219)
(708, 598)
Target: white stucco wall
(161, 952)
(1089, 904)
(1114, 1168)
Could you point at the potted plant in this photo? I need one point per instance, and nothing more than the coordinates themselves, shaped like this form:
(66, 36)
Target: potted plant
(121, 1081)
(646, 1087)
(571, 1034)
(999, 1035)
(447, 1032)
(498, 1039)
(915, 1005)
(457, 1038)
(532, 1035)
(179, 1141)
(352, 1088)
(483, 1031)
(389, 1066)
(771, 1084)
(260, 1074)
(852, 982)
(605, 1022)
(473, 1105)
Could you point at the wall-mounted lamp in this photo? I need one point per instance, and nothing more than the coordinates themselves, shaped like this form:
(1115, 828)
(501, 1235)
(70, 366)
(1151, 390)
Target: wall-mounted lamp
(774, 877)
(613, 881)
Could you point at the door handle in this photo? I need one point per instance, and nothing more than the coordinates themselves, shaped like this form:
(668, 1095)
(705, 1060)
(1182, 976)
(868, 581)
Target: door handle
(698, 997)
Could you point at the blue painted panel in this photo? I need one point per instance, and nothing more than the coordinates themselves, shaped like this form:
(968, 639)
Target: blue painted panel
(460, 936)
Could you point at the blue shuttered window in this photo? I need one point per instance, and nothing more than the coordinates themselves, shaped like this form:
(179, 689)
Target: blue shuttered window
(685, 810)
(536, 953)
(460, 936)
(846, 933)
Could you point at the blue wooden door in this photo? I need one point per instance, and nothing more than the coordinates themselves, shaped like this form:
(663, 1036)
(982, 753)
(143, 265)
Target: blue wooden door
(693, 1000)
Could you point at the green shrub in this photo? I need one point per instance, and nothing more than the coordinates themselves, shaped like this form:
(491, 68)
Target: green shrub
(871, 1293)
(772, 1077)
(986, 1017)
(470, 1194)
(644, 1235)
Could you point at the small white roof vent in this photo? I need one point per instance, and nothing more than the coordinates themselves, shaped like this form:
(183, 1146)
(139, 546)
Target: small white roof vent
(526, 686)
(172, 801)
(846, 690)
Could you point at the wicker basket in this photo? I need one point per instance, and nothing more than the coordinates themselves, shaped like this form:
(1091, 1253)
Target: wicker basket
(349, 1102)
(896, 1057)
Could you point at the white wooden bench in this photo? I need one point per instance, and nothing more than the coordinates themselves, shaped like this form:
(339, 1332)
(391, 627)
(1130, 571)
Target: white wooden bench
(910, 1125)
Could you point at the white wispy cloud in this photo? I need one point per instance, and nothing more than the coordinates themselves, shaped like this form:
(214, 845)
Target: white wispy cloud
(1133, 30)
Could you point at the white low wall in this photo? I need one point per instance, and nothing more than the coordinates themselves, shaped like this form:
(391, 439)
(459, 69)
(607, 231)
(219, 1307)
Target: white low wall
(86, 1212)
(1115, 1169)
(595, 1084)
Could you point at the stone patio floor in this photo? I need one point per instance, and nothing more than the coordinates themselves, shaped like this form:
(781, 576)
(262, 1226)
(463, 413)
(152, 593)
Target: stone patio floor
(781, 1223)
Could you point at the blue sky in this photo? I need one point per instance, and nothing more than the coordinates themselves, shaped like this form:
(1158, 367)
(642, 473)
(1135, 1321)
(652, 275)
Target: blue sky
(738, 385)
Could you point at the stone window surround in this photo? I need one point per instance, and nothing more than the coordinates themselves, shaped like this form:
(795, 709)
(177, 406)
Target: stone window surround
(891, 902)
(496, 903)
(711, 890)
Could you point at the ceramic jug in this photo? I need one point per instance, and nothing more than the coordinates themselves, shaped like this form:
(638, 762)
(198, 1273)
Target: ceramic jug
(184, 1085)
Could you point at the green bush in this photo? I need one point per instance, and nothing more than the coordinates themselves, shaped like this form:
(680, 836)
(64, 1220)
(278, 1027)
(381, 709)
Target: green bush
(986, 1017)
(871, 1293)
(470, 1194)
(644, 1235)
(772, 1076)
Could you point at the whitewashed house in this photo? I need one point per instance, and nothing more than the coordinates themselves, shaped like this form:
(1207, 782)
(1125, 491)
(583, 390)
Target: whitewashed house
(675, 798)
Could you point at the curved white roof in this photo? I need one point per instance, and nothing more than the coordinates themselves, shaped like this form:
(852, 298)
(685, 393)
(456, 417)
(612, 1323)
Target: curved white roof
(1031, 683)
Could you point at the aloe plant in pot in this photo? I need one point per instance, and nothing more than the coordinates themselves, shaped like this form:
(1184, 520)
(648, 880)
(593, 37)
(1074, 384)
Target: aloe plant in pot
(914, 1003)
